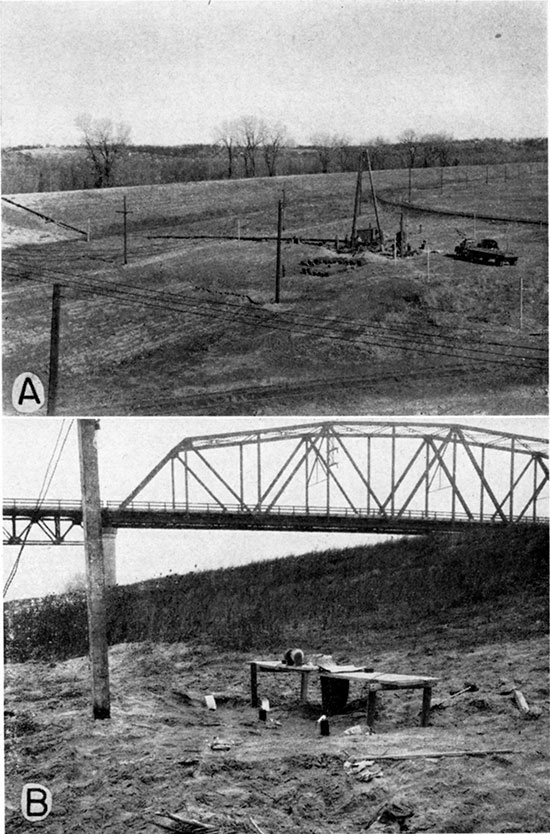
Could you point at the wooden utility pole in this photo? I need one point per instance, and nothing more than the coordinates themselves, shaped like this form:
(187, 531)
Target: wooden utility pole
(125, 213)
(95, 569)
(358, 195)
(54, 350)
(410, 181)
(521, 303)
(278, 267)
(380, 232)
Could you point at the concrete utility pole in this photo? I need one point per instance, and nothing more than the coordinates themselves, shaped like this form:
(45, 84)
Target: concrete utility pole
(95, 569)
(54, 350)
(278, 266)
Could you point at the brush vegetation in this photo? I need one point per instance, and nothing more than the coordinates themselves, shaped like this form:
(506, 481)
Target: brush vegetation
(424, 584)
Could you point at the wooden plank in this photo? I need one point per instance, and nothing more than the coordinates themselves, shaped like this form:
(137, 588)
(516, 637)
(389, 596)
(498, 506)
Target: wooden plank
(277, 666)
(521, 702)
(386, 680)
(434, 754)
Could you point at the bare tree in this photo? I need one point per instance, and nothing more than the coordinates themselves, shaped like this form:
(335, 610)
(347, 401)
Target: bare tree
(226, 137)
(250, 134)
(437, 149)
(105, 144)
(324, 145)
(344, 153)
(409, 141)
(274, 140)
(378, 148)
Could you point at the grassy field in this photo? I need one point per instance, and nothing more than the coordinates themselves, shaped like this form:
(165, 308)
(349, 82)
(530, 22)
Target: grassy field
(189, 326)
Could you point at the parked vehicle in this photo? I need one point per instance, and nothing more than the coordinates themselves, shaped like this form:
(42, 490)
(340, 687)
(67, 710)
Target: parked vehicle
(486, 251)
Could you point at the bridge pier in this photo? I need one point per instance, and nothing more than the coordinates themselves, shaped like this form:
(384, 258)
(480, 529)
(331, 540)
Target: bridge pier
(108, 535)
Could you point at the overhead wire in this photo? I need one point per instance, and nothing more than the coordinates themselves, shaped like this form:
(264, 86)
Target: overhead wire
(277, 321)
(51, 469)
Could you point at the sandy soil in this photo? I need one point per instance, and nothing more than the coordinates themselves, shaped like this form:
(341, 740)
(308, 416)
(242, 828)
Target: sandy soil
(164, 751)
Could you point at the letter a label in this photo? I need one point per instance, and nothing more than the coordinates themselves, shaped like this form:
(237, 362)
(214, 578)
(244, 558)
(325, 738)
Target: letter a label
(36, 802)
(27, 394)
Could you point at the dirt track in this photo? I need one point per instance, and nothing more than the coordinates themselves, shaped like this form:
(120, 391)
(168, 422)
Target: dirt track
(156, 753)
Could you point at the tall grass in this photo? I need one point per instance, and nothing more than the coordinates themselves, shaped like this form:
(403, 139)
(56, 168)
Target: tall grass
(300, 598)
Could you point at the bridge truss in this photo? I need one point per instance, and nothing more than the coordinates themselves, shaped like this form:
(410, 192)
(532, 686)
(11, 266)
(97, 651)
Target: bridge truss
(350, 476)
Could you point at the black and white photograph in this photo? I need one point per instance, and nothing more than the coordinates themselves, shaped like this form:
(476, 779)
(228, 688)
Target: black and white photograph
(308, 625)
(284, 207)
(274, 432)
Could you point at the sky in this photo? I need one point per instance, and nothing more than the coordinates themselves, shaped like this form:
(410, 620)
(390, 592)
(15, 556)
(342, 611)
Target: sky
(173, 70)
(128, 448)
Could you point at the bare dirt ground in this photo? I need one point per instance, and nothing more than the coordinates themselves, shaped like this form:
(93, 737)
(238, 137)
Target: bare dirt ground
(189, 326)
(164, 751)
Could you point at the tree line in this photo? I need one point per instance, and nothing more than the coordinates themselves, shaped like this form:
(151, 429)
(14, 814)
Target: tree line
(242, 148)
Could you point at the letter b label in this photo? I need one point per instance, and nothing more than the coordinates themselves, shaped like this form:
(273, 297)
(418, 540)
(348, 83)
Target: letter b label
(36, 802)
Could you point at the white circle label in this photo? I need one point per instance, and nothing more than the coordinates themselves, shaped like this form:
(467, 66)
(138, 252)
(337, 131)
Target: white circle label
(36, 802)
(27, 394)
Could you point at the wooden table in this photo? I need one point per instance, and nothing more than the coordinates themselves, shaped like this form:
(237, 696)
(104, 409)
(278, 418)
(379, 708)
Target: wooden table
(257, 666)
(381, 680)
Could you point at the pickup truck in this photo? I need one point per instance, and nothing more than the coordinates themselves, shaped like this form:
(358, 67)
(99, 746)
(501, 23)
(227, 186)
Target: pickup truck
(486, 251)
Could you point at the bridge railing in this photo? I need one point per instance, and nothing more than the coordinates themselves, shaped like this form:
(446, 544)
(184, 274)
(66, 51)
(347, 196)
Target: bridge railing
(60, 506)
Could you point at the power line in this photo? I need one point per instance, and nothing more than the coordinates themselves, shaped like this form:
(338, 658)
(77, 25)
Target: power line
(46, 481)
(473, 352)
(404, 340)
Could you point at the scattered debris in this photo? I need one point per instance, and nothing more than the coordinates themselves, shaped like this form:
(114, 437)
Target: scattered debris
(364, 771)
(446, 702)
(256, 826)
(358, 730)
(523, 706)
(324, 727)
(396, 813)
(173, 822)
(220, 744)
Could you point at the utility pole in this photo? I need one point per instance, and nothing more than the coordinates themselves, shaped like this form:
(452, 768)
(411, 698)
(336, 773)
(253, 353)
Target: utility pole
(410, 181)
(95, 568)
(358, 195)
(380, 232)
(278, 267)
(54, 350)
(521, 303)
(125, 213)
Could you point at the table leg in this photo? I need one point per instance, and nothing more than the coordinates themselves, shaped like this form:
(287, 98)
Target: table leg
(371, 706)
(303, 689)
(254, 684)
(426, 703)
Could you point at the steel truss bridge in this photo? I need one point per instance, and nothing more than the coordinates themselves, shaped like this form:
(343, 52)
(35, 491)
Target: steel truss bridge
(364, 476)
